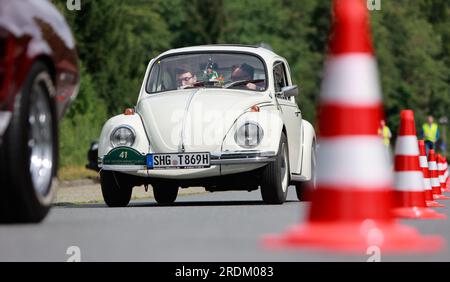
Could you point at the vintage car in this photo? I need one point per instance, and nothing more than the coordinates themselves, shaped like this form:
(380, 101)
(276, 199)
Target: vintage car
(223, 117)
(39, 78)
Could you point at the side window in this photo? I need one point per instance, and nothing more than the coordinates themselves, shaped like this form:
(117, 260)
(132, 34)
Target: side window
(279, 76)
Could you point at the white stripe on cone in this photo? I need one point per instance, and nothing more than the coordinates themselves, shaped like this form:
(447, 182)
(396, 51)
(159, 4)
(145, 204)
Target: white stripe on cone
(424, 164)
(423, 161)
(432, 166)
(408, 181)
(441, 176)
(435, 182)
(407, 146)
(353, 161)
(351, 79)
(427, 183)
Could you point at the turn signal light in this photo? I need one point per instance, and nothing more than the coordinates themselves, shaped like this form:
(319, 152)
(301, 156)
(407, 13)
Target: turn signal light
(254, 109)
(128, 112)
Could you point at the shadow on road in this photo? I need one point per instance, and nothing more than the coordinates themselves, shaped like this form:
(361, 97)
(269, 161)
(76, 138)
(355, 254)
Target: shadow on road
(142, 204)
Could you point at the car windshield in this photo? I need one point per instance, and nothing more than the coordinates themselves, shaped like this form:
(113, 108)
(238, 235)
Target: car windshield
(212, 70)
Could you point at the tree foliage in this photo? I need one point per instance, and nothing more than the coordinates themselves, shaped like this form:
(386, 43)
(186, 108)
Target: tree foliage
(117, 38)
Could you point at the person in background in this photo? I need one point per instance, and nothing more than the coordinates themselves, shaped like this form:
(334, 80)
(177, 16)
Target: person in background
(385, 133)
(430, 133)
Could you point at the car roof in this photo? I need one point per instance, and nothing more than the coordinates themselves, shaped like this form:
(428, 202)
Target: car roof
(264, 53)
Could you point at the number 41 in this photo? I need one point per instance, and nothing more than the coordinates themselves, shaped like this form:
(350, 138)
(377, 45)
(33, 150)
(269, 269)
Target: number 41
(123, 155)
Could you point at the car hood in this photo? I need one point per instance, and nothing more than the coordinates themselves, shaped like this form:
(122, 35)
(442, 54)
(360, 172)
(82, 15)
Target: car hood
(193, 119)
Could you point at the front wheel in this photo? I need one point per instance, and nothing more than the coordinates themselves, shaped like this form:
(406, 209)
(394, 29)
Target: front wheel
(116, 189)
(275, 176)
(304, 189)
(30, 151)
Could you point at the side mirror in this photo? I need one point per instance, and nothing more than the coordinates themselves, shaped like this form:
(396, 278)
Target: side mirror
(289, 91)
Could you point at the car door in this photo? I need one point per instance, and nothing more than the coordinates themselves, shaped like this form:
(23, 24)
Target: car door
(291, 113)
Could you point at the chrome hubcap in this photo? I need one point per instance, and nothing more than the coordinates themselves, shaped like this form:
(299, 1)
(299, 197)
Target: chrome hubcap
(284, 168)
(40, 142)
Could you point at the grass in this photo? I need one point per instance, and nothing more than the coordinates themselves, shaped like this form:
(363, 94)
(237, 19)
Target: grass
(67, 173)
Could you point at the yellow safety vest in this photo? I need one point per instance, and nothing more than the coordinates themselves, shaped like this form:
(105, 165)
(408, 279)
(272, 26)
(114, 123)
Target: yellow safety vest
(386, 135)
(430, 133)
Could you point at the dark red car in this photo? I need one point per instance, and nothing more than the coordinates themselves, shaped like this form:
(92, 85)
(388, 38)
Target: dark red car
(39, 78)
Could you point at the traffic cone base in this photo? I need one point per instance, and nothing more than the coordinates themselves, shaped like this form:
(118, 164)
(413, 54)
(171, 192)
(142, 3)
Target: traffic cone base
(409, 199)
(417, 213)
(437, 193)
(412, 205)
(327, 204)
(440, 197)
(434, 204)
(355, 238)
(429, 200)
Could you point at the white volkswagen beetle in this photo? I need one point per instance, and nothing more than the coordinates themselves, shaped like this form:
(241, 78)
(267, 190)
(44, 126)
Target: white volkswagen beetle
(223, 117)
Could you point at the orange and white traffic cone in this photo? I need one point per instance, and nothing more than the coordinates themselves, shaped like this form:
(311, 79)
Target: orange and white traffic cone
(351, 208)
(408, 176)
(426, 175)
(435, 183)
(441, 171)
(446, 174)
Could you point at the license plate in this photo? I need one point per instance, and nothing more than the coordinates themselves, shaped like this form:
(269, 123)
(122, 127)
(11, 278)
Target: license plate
(178, 160)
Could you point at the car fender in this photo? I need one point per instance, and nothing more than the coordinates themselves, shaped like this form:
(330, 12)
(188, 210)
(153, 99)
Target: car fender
(309, 136)
(269, 118)
(134, 121)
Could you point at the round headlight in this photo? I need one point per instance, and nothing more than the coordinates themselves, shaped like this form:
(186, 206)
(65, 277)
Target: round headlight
(249, 135)
(123, 136)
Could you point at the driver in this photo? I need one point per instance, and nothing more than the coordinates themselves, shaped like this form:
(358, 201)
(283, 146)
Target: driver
(184, 76)
(244, 72)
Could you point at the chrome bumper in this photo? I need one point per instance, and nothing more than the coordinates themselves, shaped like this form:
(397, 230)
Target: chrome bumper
(217, 158)
(242, 157)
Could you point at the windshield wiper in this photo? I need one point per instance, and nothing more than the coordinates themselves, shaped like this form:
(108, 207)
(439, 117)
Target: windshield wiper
(240, 82)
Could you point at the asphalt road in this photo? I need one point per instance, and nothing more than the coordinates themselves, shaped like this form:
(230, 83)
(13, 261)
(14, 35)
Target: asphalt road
(225, 226)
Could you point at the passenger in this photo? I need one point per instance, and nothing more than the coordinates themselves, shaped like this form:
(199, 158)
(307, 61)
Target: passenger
(184, 76)
(244, 72)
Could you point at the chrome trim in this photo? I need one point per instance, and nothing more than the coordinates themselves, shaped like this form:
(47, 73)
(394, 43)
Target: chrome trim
(242, 157)
(123, 167)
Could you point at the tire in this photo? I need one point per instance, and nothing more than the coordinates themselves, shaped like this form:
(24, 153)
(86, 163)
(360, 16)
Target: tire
(165, 194)
(116, 189)
(32, 134)
(305, 189)
(275, 176)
